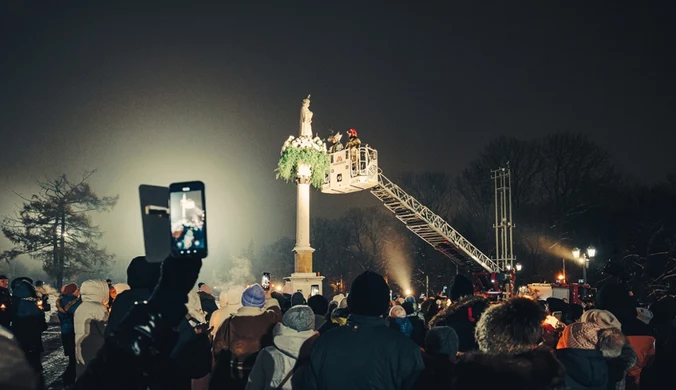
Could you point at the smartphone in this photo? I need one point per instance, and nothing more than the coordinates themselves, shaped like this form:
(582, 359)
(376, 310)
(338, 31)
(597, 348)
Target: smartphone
(187, 210)
(314, 290)
(155, 219)
(265, 281)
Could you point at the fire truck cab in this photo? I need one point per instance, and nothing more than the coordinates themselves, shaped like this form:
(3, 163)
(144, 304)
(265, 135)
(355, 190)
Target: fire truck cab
(573, 292)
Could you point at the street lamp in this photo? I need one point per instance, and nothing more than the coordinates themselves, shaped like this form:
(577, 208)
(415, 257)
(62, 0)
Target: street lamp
(584, 258)
(518, 267)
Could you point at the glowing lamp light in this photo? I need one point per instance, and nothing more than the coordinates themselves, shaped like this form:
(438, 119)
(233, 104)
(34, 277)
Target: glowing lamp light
(576, 253)
(509, 267)
(591, 251)
(560, 277)
(3, 307)
(408, 291)
(278, 288)
(518, 266)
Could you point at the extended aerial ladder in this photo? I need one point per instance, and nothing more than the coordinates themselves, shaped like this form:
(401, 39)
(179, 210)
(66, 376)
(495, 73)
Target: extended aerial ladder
(359, 171)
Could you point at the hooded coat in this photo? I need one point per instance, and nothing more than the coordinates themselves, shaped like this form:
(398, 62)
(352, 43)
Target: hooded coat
(462, 316)
(230, 302)
(90, 321)
(274, 363)
(364, 354)
(28, 322)
(239, 339)
(532, 370)
(141, 278)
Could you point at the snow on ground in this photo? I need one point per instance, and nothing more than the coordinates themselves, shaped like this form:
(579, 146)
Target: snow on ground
(54, 362)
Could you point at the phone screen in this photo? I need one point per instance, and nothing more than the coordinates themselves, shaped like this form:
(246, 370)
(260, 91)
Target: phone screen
(265, 281)
(188, 219)
(314, 290)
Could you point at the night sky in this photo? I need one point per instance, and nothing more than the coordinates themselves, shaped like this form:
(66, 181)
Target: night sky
(159, 93)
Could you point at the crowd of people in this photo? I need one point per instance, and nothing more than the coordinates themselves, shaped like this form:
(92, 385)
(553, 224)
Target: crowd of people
(162, 330)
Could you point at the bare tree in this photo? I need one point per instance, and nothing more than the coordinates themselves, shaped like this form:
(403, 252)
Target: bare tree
(54, 226)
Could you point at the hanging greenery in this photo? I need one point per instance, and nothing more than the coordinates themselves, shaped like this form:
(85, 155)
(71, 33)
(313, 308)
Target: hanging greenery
(304, 150)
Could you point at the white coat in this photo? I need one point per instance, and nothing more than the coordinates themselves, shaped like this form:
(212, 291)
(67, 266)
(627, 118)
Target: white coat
(90, 321)
(229, 302)
(275, 362)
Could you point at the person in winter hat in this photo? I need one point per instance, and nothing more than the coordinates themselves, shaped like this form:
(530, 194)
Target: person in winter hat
(28, 322)
(616, 299)
(372, 354)
(617, 366)
(274, 365)
(582, 355)
(320, 306)
(441, 348)
(297, 299)
(337, 318)
(508, 335)
(66, 305)
(142, 278)
(90, 321)
(399, 321)
(418, 333)
(229, 302)
(207, 300)
(241, 337)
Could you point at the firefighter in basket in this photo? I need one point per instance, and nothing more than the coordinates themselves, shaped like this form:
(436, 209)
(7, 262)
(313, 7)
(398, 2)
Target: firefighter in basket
(353, 145)
(336, 145)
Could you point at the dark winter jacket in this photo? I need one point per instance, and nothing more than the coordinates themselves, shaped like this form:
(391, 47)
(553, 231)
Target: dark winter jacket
(66, 305)
(141, 278)
(438, 373)
(28, 321)
(5, 307)
(419, 331)
(617, 367)
(364, 354)
(585, 368)
(533, 370)
(192, 352)
(462, 316)
(123, 304)
(208, 303)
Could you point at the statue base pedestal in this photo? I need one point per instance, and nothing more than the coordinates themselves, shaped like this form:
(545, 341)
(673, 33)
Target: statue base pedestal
(304, 281)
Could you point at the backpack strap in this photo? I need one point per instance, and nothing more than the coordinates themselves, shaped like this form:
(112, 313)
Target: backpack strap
(286, 379)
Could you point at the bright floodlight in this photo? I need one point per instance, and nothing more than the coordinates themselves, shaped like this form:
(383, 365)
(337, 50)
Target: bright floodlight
(576, 253)
(560, 277)
(518, 266)
(591, 251)
(408, 291)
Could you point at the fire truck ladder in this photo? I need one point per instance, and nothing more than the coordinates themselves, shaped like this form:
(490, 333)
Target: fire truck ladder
(431, 227)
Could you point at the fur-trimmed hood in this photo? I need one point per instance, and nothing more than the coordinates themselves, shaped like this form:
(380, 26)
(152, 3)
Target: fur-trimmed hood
(463, 317)
(458, 310)
(534, 370)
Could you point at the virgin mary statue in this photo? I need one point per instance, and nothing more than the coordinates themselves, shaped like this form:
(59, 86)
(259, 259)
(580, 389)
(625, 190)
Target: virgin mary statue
(306, 118)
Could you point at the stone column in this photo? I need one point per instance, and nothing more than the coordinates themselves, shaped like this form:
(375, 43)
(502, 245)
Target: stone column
(303, 250)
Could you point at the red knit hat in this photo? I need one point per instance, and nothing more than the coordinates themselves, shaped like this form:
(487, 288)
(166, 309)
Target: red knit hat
(69, 289)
